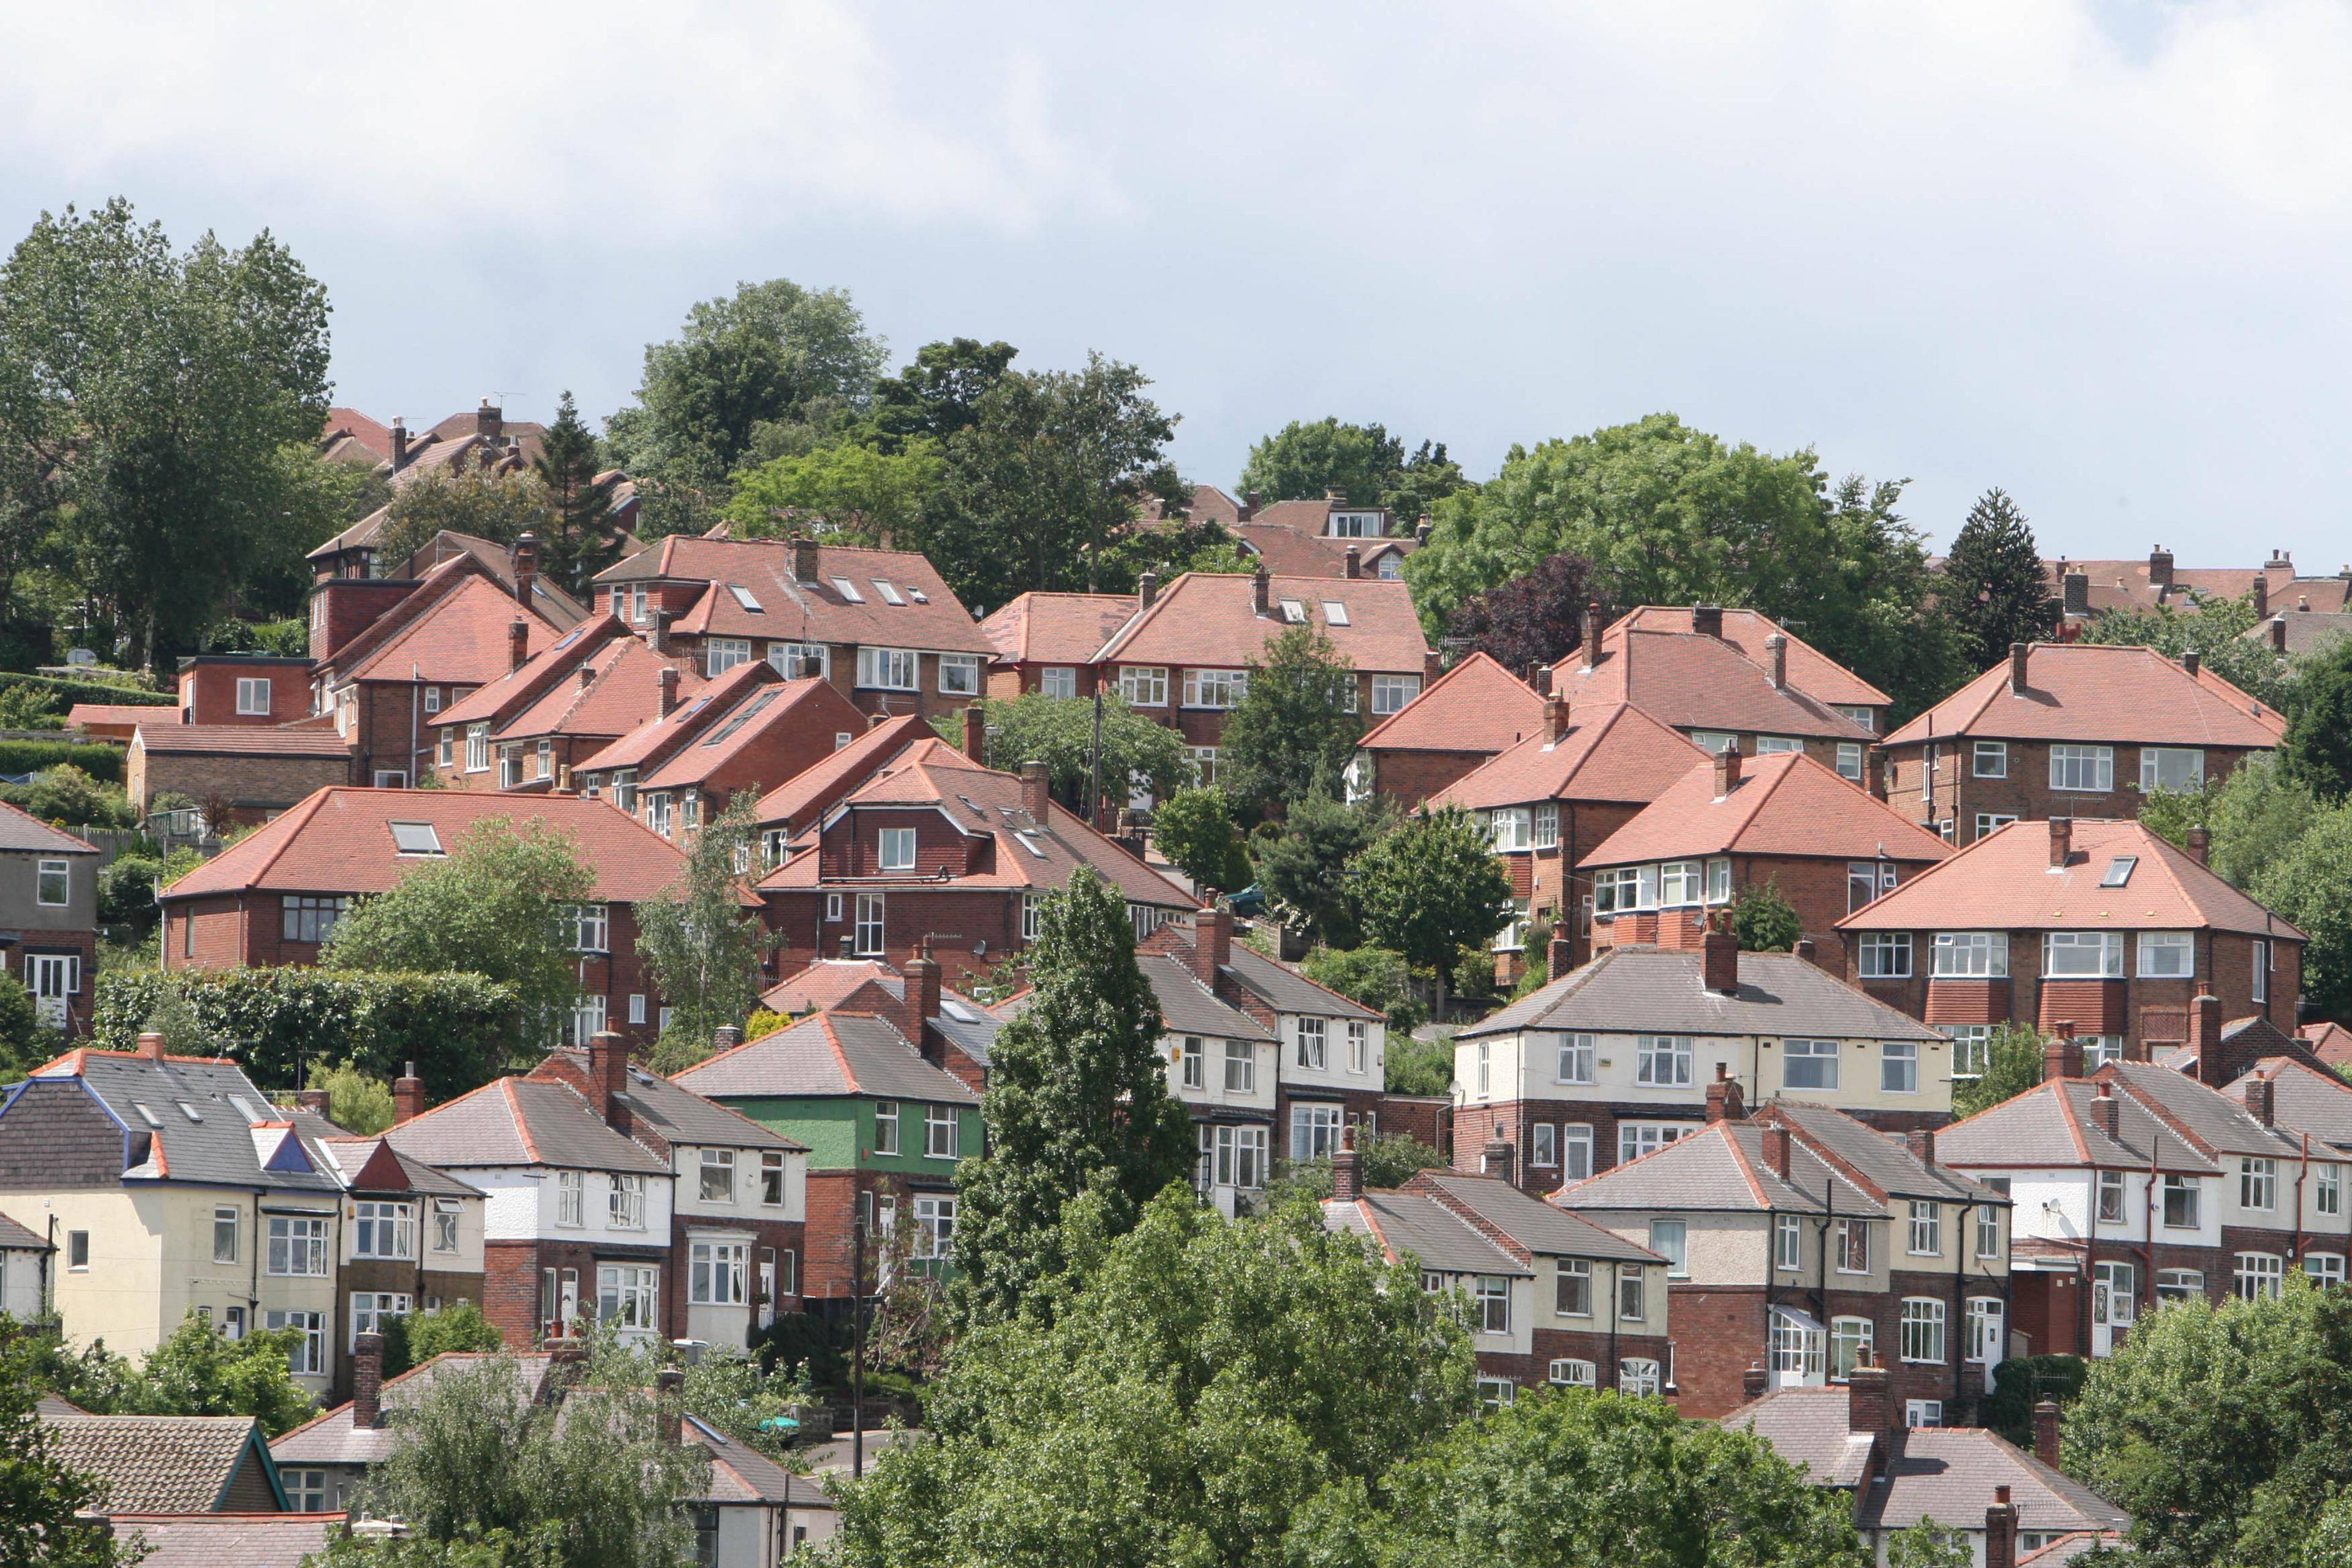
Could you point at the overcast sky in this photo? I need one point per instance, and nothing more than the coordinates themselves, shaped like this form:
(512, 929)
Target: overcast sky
(2091, 253)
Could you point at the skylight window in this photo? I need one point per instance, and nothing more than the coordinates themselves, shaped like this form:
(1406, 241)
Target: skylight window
(568, 638)
(956, 1010)
(751, 710)
(1335, 612)
(1031, 845)
(243, 1109)
(848, 590)
(415, 838)
(743, 598)
(2119, 871)
(190, 1111)
(890, 594)
(919, 596)
(690, 709)
(149, 1117)
(1294, 612)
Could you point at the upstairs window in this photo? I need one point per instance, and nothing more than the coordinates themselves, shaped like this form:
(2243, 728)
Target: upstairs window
(1663, 1060)
(1143, 686)
(1391, 692)
(1216, 689)
(2166, 954)
(2171, 767)
(888, 668)
(898, 849)
(2082, 954)
(53, 884)
(1971, 955)
(1809, 1064)
(2089, 769)
(1886, 955)
(1991, 760)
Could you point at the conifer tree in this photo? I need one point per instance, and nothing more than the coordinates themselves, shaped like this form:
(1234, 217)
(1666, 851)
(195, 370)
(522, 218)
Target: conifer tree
(581, 538)
(1994, 580)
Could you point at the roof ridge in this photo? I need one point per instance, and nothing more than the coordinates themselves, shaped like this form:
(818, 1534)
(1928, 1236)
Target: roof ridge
(1739, 1162)
(840, 1056)
(523, 1122)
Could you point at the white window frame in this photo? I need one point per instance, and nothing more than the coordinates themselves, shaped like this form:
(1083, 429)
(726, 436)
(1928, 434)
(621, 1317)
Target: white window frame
(1925, 1230)
(253, 696)
(869, 931)
(800, 660)
(383, 1230)
(960, 675)
(1818, 1060)
(1663, 1061)
(2083, 769)
(1670, 1239)
(1971, 955)
(1059, 681)
(1850, 1338)
(2065, 954)
(1143, 685)
(715, 1177)
(1886, 955)
(1543, 1145)
(1575, 1151)
(717, 1273)
(1570, 1372)
(1217, 691)
(1898, 1066)
(2155, 761)
(1853, 1246)
(1849, 760)
(935, 1218)
(1576, 1059)
(886, 1127)
(1311, 1044)
(942, 1132)
(895, 849)
(1922, 1330)
(1788, 1244)
(571, 1199)
(53, 877)
(1989, 760)
(2257, 1184)
(1241, 1067)
(2254, 1275)
(2166, 956)
(888, 669)
(1394, 693)
(720, 655)
(297, 1248)
(1314, 1130)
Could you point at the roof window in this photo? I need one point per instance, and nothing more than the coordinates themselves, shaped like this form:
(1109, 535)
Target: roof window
(1335, 612)
(2119, 871)
(956, 1010)
(890, 594)
(1031, 845)
(1294, 612)
(750, 712)
(743, 598)
(243, 1109)
(190, 1111)
(568, 638)
(848, 590)
(149, 1117)
(919, 596)
(415, 838)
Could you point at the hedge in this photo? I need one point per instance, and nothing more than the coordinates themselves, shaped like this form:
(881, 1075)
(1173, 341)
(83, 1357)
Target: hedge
(69, 689)
(459, 1029)
(2023, 1382)
(98, 759)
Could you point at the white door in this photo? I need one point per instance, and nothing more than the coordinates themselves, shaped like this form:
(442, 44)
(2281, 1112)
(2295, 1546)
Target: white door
(57, 977)
(767, 1286)
(1991, 1340)
(2112, 1306)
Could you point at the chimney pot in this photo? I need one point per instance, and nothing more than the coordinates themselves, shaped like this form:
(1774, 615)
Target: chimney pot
(2062, 841)
(1037, 790)
(1719, 960)
(1724, 1101)
(1775, 1151)
(1803, 948)
(367, 1379)
(2019, 655)
(2000, 1532)
(975, 733)
(1776, 661)
(1726, 768)
(1347, 1168)
(407, 1096)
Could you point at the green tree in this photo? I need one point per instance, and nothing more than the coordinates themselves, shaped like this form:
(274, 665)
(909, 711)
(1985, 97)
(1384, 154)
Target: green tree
(487, 503)
(198, 1372)
(316, 499)
(579, 539)
(1389, 1160)
(2011, 1066)
(2213, 631)
(2310, 884)
(1194, 829)
(415, 1339)
(147, 396)
(2317, 747)
(1303, 865)
(1076, 1101)
(66, 793)
(1059, 732)
(1204, 1384)
(355, 1100)
(938, 394)
(1994, 580)
(1883, 615)
(1295, 726)
(1431, 889)
(1928, 1544)
(1419, 1067)
(40, 1495)
(1373, 976)
(864, 496)
(702, 944)
(2255, 816)
(25, 1042)
(1362, 462)
(90, 1377)
(1764, 921)
(498, 905)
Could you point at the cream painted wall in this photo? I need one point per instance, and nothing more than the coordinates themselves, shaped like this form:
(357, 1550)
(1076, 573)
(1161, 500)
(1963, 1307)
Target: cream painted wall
(1525, 1066)
(1335, 1072)
(1212, 1091)
(686, 1161)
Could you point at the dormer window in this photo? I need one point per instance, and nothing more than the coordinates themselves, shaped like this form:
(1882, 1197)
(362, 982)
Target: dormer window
(1355, 525)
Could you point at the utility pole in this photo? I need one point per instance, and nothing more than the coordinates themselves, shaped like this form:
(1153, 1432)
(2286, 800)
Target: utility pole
(858, 1340)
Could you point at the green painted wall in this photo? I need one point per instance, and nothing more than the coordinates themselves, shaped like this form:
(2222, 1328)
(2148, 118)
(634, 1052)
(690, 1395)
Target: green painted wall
(839, 1130)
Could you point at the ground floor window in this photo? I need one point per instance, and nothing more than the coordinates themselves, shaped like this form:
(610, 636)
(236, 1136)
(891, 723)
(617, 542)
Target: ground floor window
(1638, 1374)
(934, 1226)
(1494, 1393)
(625, 1294)
(716, 1272)
(1795, 1348)
(308, 1357)
(1575, 1375)
(372, 1309)
(2258, 1274)
(2324, 1268)
(1314, 1131)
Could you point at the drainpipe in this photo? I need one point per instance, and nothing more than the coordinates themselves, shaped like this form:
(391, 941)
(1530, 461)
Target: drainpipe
(1616, 1299)
(2090, 1262)
(2302, 1170)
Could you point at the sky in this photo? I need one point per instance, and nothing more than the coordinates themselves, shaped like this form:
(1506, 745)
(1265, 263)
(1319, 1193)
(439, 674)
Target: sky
(2090, 252)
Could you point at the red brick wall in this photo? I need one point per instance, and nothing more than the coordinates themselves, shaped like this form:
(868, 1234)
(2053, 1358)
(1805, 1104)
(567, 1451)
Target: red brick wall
(957, 920)
(208, 692)
(1409, 777)
(352, 605)
(780, 1236)
(1959, 797)
(1719, 1333)
(827, 1256)
(511, 1282)
(1603, 1351)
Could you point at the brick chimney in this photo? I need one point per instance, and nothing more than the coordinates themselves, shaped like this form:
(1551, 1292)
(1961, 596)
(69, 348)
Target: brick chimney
(1874, 773)
(920, 1001)
(2019, 654)
(1260, 602)
(1869, 1409)
(2205, 1040)
(801, 554)
(1036, 789)
(2106, 1112)
(2062, 841)
(151, 1045)
(1591, 638)
(1354, 562)
(399, 443)
(657, 631)
(1803, 948)
(1775, 1151)
(2074, 592)
(1213, 939)
(1539, 676)
(975, 733)
(1347, 1168)
(1719, 961)
(517, 643)
(526, 566)
(608, 1078)
(1248, 508)
(2188, 663)
(2278, 633)
(1559, 955)
(670, 1384)
(407, 1096)
(1555, 719)
(2159, 567)
(1146, 590)
(2261, 1100)
(1724, 1101)
(586, 675)
(489, 421)
(2199, 844)
(1495, 1159)
(2045, 1432)
(669, 700)
(1921, 1141)
(314, 1101)
(2000, 1532)
(2062, 1055)
(2260, 592)
(1754, 1381)
(367, 1379)
(1726, 768)
(1776, 661)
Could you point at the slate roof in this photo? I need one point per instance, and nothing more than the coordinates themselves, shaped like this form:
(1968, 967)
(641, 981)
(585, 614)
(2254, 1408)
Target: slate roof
(219, 1145)
(229, 1540)
(741, 1474)
(823, 1055)
(971, 1026)
(339, 841)
(2212, 1120)
(1189, 1007)
(1206, 618)
(1412, 1225)
(2003, 882)
(156, 1464)
(1882, 1159)
(1652, 658)
(1476, 706)
(21, 830)
(521, 1121)
(348, 1156)
(930, 618)
(2100, 692)
(2054, 1125)
(330, 1438)
(1645, 989)
(801, 800)
(681, 1116)
(1610, 752)
(16, 1238)
(1721, 1167)
(1787, 804)
(2303, 1099)
(1056, 628)
(1530, 1223)
(2304, 631)
(1286, 990)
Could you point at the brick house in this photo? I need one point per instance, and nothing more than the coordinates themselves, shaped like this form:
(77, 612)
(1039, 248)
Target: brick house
(938, 849)
(1330, 537)
(1720, 675)
(2080, 729)
(2106, 928)
(531, 728)
(274, 896)
(1551, 798)
(238, 773)
(1626, 1053)
(411, 1240)
(256, 689)
(1047, 642)
(954, 1032)
(1731, 825)
(738, 1218)
(793, 807)
(1554, 1300)
(1807, 1244)
(1466, 718)
(48, 917)
(880, 625)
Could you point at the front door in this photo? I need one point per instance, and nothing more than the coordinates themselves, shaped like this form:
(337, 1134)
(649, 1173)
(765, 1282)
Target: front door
(767, 1286)
(2113, 1305)
(56, 978)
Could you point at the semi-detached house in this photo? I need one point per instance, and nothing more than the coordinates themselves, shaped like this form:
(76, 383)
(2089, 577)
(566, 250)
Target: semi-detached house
(531, 728)
(1465, 718)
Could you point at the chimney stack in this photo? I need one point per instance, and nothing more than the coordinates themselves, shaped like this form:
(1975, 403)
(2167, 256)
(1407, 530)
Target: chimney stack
(1213, 939)
(1869, 1409)
(314, 1101)
(1556, 718)
(1037, 790)
(657, 636)
(1248, 508)
(801, 556)
(1754, 1381)
(1421, 530)
(2278, 633)
(1559, 954)
(2189, 662)
(1147, 589)
(1591, 638)
(1803, 948)
(2062, 841)
(2261, 1100)
(1347, 1168)
(1775, 1151)
(1355, 562)
(2000, 1532)
(2107, 1112)
(1495, 1159)
(2205, 1038)
(669, 681)
(518, 644)
(586, 675)
(399, 443)
(2200, 843)
(1776, 661)
(2074, 592)
(367, 1379)
(1541, 678)
(1921, 1141)
(608, 1074)
(670, 1386)
(1719, 960)
(2159, 567)
(1260, 602)
(489, 421)
(1874, 773)
(975, 733)
(725, 1038)
(1724, 1101)
(526, 566)
(2019, 653)
(2045, 1432)
(1726, 768)
(407, 1096)
(2062, 1055)
(1707, 620)
(2261, 594)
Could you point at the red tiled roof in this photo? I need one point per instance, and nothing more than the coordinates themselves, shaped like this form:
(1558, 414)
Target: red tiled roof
(1787, 804)
(816, 791)
(520, 688)
(2003, 882)
(1698, 682)
(827, 983)
(624, 691)
(339, 841)
(1476, 706)
(812, 702)
(1611, 752)
(1206, 618)
(2104, 692)
(451, 630)
(239, 740)
(656, 741)
(1810, 671)
(815, 612)
(1292, 550)
(1056, 628)
(2330, 1042)
(82, 715)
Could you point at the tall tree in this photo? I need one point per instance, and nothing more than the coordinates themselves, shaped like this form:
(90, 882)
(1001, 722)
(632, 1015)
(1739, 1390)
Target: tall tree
(1537, 617)
(862, 496)
(1193, 828)
(41, 1497)
(1059, 732)
(703, 946)
(2310, 883)
(1362, 462)
(580, 540)
(483, 502)
(1994, 580)
(1883, 618)
(938, 394)
(1077, 1101)
(1431, 889)
(154, 392)
(1303, 869)
(200, 1372)
(2317, 750)
(1295, 726)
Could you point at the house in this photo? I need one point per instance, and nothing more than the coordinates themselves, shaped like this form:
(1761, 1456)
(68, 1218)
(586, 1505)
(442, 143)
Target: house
(275, 895)
(1332, 537)
(112, 721)
(2329, 1042)
(1046, 642)
(792, 808)
(884, 1125)
(2142, 1185)
(171, 1185)
(1805, 1243)
(1732, 826)
(1620, 1056)
(2087, 588)
(2299, 632)
(749, 730)
(738, 1218)
(579, 1222)
(1554, 1300)
(322, 1461)
(2080, 729)
(249, 688)
(211, 1540)
(410, 1241)
(936, 847)
(237, 774)
(170, 1464)
(1464, 720)
(2107, 928)
(486, 435)
(1551, 798)
(954, 1031)
(1722, 674)
(2008, 1506)
(26, 1259)
(1223, 1066)
(1183, 659)
(531, 728)
(880, 625)
(48, 917)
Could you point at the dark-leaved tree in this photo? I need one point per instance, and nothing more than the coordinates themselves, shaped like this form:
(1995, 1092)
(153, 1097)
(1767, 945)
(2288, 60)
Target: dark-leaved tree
(2317, 750)
(1429, 889)
(938, 394)
(1534, 618)
(1994, 582)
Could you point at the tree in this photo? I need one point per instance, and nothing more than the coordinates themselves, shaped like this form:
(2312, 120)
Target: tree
(145, 397)
(1994, 580)
(1764, 921)
(1202, 1386)
(25, 1042)
(2317, 749)
(2213, 631)
(938, 394)
(703, 946)
(40, 1495)
(862, 496)
(1884, 615)
(414, 1341)
(1387, 1160)
(1362, 462)
(2255, 816)
(1194, 829)
(2011, 1064)
(580, 538)
(1077, 1101)
(1537, 617)
(198, 1371)
(1928, 1544)
(1303, 867)
(1372, 976)
(355, 1100)
(1419, 1067)
(1059, 733)
(487, 503)
(2310, 884)
(1295, 726)
(500, 905)
(1583, 1479)
(1431, 887)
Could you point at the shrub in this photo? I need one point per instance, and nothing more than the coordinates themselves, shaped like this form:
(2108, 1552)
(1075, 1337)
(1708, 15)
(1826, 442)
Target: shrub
(2023, 1383)
(1372, 977)
(99, 759)
(126, 892)
(121, 692)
